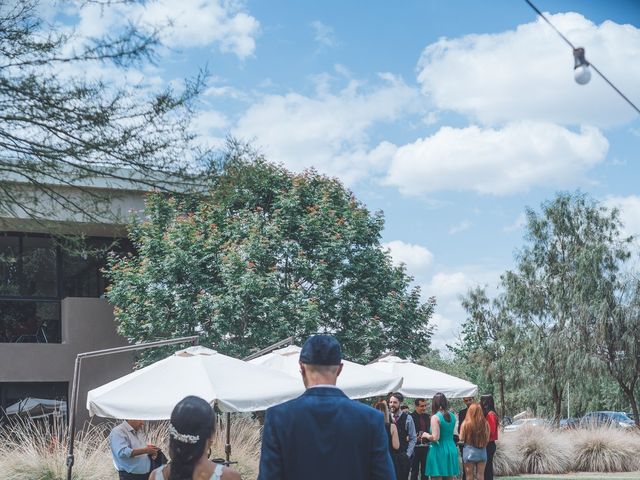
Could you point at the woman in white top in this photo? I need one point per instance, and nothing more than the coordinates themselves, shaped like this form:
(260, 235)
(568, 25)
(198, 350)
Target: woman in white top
(191, 435)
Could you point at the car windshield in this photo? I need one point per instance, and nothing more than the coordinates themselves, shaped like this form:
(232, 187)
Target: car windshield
(620, 417)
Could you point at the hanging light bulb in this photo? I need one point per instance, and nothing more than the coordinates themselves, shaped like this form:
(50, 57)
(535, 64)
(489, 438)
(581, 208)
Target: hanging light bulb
(581, 71)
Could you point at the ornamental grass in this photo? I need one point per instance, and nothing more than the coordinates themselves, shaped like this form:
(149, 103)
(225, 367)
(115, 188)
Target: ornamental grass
(542, 450)
(606, 449)
(36, 450)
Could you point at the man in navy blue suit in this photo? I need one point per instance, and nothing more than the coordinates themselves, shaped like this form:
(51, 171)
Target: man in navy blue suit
(323, 435)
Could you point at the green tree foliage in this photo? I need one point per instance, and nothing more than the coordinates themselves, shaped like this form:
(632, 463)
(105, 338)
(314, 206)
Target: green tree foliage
(566, 315)
(488, 343)
(60, 130)
(610, 328)
(573, 252)
(266, 255)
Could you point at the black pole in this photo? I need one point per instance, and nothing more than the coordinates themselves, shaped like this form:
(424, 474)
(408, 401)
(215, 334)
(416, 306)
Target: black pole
(227, 447)
(73, 404)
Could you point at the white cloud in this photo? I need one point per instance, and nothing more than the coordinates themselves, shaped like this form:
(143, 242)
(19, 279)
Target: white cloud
(417, 258)
(461, 227)
(211, 128)
(184, 24)
(518, 224)
(448, 286)
(527, 73)
(629, 208)
(485, 160)
(328, 131)
(324, 34)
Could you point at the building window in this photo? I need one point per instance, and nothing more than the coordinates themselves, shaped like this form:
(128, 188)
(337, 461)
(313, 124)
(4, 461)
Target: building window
(38, 271)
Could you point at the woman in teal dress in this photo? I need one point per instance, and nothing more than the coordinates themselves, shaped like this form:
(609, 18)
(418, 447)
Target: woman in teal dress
(442, 460)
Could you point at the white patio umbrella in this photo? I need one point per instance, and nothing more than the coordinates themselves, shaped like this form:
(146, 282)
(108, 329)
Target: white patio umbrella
(356, 381)
(151, 392)
(423, 382)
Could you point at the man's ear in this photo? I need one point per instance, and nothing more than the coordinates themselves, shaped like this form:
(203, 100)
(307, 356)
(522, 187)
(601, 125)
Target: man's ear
(339, 369)
(302, 369)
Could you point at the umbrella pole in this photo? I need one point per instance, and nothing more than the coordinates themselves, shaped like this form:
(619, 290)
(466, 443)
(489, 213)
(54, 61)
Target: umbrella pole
(227, 447)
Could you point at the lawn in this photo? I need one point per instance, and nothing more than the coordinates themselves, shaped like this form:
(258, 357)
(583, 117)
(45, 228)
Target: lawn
(579, 476)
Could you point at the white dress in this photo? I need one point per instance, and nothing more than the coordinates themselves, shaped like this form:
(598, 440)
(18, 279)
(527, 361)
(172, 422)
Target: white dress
(217, 473)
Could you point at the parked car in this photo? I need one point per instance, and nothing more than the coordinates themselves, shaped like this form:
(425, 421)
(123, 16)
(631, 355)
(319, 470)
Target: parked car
(526, 422)
(568, 423)
(612, 419)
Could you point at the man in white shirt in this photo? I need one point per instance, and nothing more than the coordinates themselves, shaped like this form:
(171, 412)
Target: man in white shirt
(131, 453)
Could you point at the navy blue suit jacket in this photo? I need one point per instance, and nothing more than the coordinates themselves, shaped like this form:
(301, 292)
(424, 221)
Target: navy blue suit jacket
(323, 435)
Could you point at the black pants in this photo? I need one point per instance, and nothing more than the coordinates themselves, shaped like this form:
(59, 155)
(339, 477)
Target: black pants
(402, 465)
(419, 463)
(488, 469)
(132, 476)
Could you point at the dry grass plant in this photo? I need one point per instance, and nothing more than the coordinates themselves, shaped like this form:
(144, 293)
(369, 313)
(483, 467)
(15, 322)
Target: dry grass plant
(507, 460)
(36, 450)
(245, 442)
(605, 449)
(543, 451)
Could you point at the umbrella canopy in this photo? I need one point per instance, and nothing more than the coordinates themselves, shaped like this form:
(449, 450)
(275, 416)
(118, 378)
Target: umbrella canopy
(423, 382)
(151, 392)
(356, 381)
(37, 407)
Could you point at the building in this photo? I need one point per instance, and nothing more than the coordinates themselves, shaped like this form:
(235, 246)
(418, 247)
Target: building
(51, 297)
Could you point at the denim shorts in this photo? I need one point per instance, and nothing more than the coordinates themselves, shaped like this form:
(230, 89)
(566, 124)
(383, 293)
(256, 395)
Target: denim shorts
(471, 454)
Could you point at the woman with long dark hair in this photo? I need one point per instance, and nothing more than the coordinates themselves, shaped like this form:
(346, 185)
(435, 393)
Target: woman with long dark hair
(392, 434)
(190, 437)
(474, 434)
(442, 459)
(489, 410)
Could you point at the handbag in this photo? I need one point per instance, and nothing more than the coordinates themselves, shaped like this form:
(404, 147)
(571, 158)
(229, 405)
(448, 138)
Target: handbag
(159, 460)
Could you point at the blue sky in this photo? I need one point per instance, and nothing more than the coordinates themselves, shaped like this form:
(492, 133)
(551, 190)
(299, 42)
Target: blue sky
(450, 116)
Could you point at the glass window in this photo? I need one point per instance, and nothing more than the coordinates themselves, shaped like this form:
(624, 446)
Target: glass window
(29, 321)
(82, 266)
(39, 273)
(9, 268)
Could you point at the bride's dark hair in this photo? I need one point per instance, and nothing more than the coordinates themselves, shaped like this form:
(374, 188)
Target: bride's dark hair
(192, 424)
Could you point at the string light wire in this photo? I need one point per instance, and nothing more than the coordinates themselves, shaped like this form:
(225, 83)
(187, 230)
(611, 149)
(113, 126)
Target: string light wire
(602, 75)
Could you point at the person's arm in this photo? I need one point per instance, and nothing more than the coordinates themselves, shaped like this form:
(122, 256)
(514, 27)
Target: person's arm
(381, 464)
(434, 436)
(462, 432)
(492, 418)
(271, 466)
(395, 439)
(411, 430)
(148, 450)
(230, 474)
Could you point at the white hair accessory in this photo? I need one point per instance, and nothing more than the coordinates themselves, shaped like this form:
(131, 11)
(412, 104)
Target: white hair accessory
(182, 437)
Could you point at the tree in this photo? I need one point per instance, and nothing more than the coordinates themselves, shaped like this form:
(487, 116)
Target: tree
(610, 327)
(58, 132)
(267, 254)
(488, 341)
(557, 277)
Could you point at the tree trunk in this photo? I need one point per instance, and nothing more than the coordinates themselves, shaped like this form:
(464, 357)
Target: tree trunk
(631, 396)
(557, 402)
(502, 405)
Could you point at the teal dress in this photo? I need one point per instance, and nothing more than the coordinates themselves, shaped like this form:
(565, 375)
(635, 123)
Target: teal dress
(442, 460)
